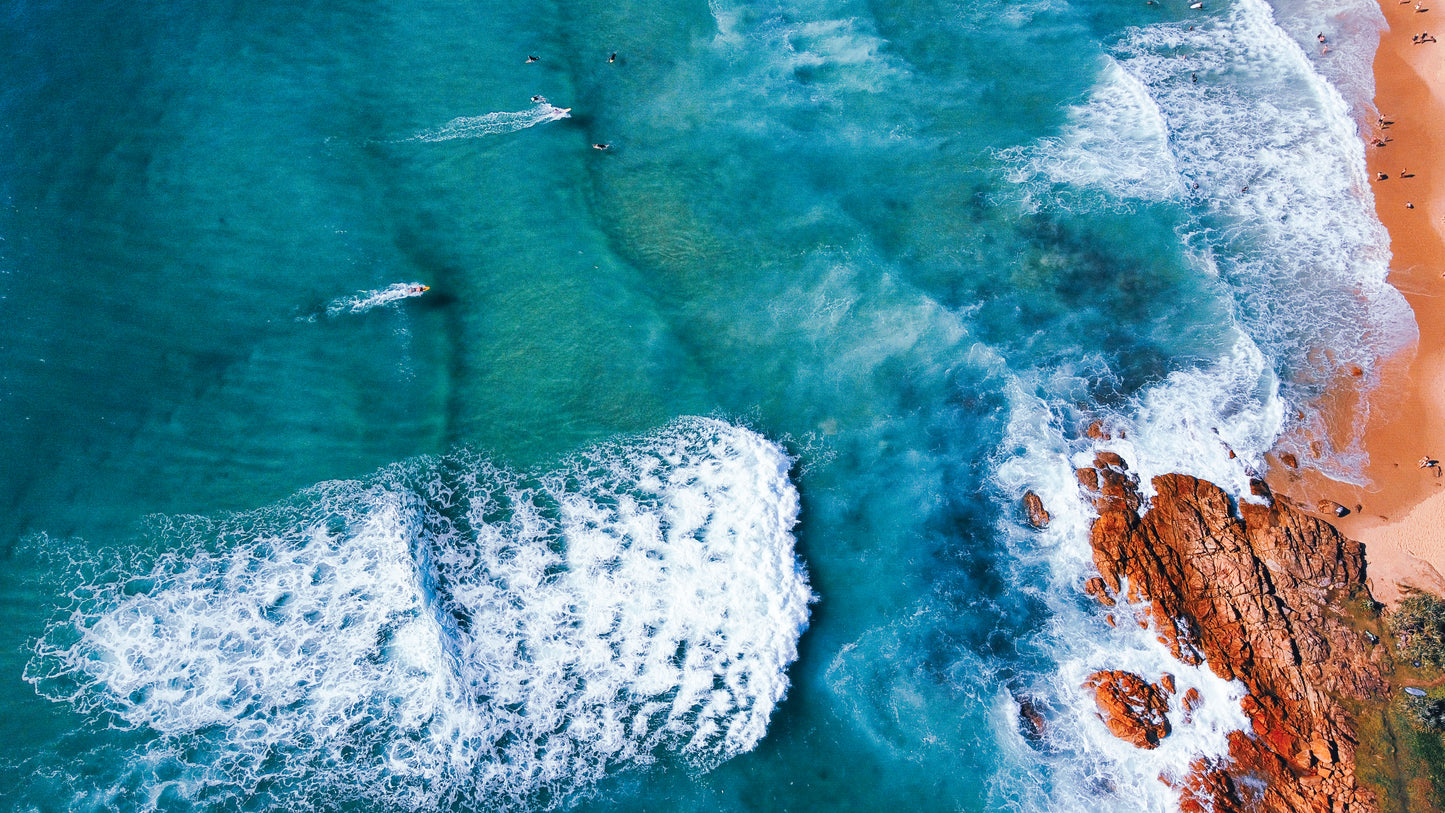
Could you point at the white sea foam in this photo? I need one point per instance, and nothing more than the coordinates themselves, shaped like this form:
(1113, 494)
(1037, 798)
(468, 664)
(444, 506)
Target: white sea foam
(1352, 33)
(1170, 428)
(1278, 211)
(1115, 142)
(453, 631)
(1284, 213)
(493, 123)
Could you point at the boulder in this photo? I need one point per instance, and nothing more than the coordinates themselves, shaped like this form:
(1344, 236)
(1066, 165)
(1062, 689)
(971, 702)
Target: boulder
(1131, 707)
(1095, 587)
(1034, 508)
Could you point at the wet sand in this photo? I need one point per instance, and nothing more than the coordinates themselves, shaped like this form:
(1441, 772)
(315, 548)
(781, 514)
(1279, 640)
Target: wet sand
(1401, 512)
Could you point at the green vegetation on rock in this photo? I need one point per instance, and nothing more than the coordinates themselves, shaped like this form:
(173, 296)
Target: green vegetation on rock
(1419, 627)
(1401, 752)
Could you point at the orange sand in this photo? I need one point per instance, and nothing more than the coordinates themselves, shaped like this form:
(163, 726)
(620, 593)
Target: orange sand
(1402, 523)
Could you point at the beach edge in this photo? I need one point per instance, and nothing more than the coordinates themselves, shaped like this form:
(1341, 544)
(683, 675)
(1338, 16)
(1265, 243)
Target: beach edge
(1398, 511)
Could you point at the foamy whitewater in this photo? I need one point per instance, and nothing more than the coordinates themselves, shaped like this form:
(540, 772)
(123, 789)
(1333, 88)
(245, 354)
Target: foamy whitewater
(450, 631)
(900, 254)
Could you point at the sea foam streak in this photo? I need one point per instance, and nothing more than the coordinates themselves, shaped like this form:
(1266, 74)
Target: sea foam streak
(454, 632)
(493, 123)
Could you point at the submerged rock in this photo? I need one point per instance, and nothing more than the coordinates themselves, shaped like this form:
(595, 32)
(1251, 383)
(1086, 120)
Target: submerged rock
(1192, 700)
(1031, 721)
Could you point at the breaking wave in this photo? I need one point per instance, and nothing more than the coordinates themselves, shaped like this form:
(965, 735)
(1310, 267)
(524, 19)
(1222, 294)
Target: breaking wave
(451, 631)
(1270, 166)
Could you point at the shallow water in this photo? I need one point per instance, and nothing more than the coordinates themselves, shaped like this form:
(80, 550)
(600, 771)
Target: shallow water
(282, 534)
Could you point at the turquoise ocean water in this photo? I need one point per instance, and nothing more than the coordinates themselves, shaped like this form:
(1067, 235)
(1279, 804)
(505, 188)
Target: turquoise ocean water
(692, 482)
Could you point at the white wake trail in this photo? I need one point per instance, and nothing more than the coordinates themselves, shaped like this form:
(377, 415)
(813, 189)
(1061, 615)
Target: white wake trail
(364, 301)
(493, 123)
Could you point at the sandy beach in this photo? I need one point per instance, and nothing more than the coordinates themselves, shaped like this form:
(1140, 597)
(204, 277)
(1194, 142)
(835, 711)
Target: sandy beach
(1400, 514)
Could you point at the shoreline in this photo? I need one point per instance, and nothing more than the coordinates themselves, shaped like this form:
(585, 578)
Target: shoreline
(1399, 514)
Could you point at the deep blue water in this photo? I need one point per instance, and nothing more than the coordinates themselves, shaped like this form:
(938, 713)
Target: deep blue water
(692, 481)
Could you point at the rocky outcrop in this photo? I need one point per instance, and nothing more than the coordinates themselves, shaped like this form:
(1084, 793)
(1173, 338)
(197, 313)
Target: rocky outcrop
(1131, 707)
(1034, 509)
(1258, 592)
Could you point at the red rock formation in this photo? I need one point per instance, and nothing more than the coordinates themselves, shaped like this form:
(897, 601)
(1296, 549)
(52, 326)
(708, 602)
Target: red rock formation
(1206, 784)
(1256, 590)
(1131, 707)
(1034, 508)
(1095, 587)
(1191, 701)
